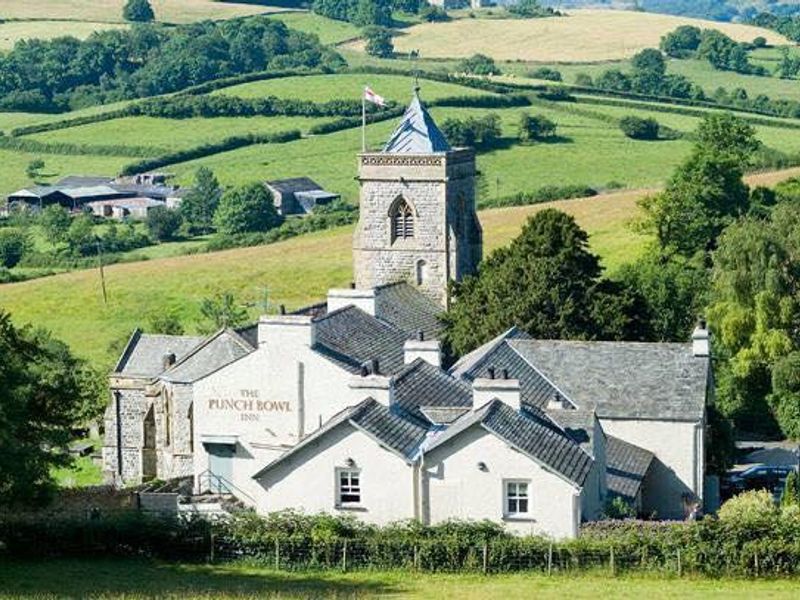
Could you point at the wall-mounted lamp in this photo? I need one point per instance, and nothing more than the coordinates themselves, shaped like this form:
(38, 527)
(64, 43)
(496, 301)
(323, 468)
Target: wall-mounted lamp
(482, 467)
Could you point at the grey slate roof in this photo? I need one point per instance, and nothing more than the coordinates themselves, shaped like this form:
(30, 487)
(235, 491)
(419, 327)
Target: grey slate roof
(401, 436)
(144, 354)
(529, 431)
(467, 362)
(417, 133)
(296, 184)
(83, 181)
(420, 387)
(625, 380)
(214, 353)
(626, 468)
(409, 310)
(350, 337)
(577, 423)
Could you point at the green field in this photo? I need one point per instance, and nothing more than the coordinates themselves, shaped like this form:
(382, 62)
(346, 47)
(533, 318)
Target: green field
(140, 578)
(166, 135)
(10, 120)
(13, 31)
(327, 30)
(323, 88)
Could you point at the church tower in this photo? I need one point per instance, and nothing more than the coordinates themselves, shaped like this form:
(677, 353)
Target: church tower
(417, 219)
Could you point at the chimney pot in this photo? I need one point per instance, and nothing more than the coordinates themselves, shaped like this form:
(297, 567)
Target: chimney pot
(364, 370)
(282, 309)
(420, 335)
(504, 373)
(168, 360)
(491, 372)
(352, 285)
(375, 367)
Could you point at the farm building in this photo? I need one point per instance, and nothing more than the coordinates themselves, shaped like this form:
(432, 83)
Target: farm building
(298, 196)
(345, 407)
(123, 208)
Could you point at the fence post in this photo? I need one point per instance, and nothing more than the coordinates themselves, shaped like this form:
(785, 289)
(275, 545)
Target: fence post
(550, 559)
(344, 556)
(680, 565)
(485, 558)
(611, 561)
(277, 554)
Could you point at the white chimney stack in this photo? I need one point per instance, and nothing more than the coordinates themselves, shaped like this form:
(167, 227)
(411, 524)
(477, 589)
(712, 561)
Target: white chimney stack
(286, 331)
(558, 402)
(371, 384)
(363, 299)
(701, 340)
(428, 350)
(506, 390)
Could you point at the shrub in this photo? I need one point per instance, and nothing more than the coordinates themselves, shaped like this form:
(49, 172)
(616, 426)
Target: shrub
(638, 128)
(379, 42)
(163, 223)
(479, 132)
(748, 508)
(535, 127)
(546, 73)
(478, 64)
(433, 14)
(760, 42)
(245, 209)
(13, 244)
(138, 11)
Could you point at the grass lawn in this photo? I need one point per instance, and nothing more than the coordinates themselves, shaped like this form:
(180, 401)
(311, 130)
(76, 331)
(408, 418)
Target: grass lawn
(166, 135)
(584, 36)
(10, 120)
(83, 472)
(169, 11)
(14, 31)
(140, 578)
(323, 88)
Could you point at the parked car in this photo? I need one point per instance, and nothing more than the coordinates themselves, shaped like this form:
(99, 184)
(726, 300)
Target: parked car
(757, 477)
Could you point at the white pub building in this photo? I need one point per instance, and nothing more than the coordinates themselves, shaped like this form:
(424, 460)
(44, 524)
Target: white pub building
(344, 407)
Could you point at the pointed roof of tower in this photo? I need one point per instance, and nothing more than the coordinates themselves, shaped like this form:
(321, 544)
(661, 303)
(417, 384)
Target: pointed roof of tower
(417, 133)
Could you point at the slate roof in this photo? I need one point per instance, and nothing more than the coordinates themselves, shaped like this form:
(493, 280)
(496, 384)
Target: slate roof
(350, 337)
(529, 431)
(401, 436)
(420, 389)
(625, 380)
(626, 467)
(144, 354)
(409, 310)
(296, 184)
(578, 425)
(214, 353)
(417, 132)
(83, 181)
(467, 362)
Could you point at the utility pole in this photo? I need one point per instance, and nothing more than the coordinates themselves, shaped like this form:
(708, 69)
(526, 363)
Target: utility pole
(102, 273)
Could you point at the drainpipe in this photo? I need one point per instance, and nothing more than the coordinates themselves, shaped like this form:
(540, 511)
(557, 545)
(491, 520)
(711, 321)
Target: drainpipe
(118, 410)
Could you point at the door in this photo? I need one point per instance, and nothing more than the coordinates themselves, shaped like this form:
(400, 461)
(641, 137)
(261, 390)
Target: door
(220, 467)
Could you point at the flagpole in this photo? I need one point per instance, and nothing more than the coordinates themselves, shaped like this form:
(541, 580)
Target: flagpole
(363, 121)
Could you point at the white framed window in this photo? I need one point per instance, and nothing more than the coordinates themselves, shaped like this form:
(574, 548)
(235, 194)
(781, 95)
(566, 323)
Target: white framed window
(516, 497)
(348, 487)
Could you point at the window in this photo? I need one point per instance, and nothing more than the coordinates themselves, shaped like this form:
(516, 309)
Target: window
(402, 220)
(517, 500)
(349, 486)
(422, 272)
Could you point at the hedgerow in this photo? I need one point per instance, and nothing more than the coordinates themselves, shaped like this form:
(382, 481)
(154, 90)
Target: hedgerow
(548, 193)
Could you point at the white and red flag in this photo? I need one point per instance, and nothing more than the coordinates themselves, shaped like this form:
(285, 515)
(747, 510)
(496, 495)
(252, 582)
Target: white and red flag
(371, 96)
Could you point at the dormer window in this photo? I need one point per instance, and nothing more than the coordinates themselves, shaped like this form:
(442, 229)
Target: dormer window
(402, 216)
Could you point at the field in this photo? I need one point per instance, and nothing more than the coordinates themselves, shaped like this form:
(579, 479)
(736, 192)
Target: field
(138, 578)
(294, 272)
(327, 30)
(13, 31)
(584, 36)
(169, 11)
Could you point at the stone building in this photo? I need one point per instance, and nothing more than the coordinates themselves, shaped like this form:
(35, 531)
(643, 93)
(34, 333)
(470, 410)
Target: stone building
(346, 406)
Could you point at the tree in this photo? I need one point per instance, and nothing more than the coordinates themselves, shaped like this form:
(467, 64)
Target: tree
(246, 209)
(707, 191)
(535, 127)
(478, 64)
(55, 221)
(34, 168)
(138, 11)
(638, 128)
(649, 69)
(221, 310)
(166, 323)
(545, 282)
(163, 223)
(200, 203)
(547, 74)
(379, 42)
(682, 42)
(80, 236)
(791, 490)
(13, 245)
(45, 392)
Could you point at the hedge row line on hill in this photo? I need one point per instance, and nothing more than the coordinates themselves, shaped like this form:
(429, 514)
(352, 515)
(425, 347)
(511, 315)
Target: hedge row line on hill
(548, 193)
(746, 547)
(37, 147)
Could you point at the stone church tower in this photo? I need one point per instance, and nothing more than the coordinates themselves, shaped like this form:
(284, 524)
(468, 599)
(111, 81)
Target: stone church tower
(417, 218)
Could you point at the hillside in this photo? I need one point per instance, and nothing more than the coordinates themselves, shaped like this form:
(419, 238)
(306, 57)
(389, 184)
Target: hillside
(294, 273)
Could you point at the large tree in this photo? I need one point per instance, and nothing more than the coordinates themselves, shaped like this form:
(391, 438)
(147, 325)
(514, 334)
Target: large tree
(138, 11)
(545, 282)
(199, 205)
(245, 209)
(45, 391)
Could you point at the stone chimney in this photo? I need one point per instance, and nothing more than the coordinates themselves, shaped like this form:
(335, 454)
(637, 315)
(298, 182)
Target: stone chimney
(428, 350)
(286, 331)
(701, 339)
(363, 299)
(168, 360)
(490, 388)
(371, 384)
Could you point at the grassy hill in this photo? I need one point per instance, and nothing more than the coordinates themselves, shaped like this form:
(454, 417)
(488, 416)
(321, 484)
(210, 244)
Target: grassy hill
(294, 273)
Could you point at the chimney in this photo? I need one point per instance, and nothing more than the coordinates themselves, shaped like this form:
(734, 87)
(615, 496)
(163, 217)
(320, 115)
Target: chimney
(506, 390)
(557, 402)
(701, 339)
(428, 350)
(284, 332)
(363, 299)
(371, 384)
(168, 360)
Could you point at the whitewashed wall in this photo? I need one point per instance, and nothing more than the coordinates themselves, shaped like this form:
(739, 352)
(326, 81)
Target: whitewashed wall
(307, 480)
(454, 487)
(678, 446)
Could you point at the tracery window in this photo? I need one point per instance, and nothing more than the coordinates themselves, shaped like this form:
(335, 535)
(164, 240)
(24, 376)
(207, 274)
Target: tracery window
(402, 216)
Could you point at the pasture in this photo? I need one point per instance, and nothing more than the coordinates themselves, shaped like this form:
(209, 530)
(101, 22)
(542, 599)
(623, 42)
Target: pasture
(583, 36)
(327, 30)
(13, 31)
(140, 578)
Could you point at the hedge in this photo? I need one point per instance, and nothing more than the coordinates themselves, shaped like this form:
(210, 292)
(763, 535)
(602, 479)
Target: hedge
(548, 193)
(37, 147)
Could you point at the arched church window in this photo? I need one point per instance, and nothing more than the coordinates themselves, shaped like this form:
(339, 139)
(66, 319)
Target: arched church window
(422, 272)
(402, 216)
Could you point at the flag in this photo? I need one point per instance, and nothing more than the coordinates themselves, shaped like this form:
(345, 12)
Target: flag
(371, 96)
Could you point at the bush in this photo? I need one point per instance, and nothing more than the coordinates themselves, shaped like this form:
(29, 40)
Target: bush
(535, 127)
(546, 73)
(478, 132)
(749, 508)
(637, 128)
(163, 223)
(138, 11)
(379, 42)
(246, 209)
(478, 64)
(13, 245)
(434, 14)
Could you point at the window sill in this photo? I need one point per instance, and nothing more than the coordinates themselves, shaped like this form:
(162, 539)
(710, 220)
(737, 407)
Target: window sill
(519, 519)
(351, 507)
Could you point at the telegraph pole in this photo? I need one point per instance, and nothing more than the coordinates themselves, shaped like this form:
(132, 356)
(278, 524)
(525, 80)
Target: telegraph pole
(102, 273)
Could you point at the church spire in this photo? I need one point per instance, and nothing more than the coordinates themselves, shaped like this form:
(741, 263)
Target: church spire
(417, 132)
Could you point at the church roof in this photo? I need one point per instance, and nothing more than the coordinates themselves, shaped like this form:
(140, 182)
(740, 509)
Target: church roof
(417, 133)
(144, 354)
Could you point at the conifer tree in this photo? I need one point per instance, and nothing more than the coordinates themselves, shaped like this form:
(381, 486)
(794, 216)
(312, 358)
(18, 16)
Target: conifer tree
(138, 11)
